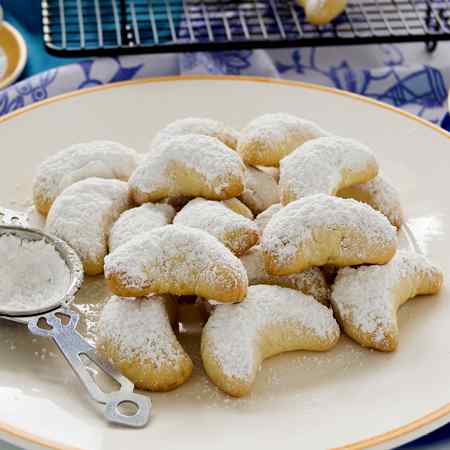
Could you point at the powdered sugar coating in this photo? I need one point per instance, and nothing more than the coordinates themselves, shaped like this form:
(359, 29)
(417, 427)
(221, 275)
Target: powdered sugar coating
(136, 336)
(380, 195)
(139, 220)
(83, 214)
(325, 165)
(321, 229)
(310, 282)
(261, 190)
(234, 230)
(32, 274)
(178, 260)
(191, 165)
(140, 329)
(272, 171)
(263, 218)
(270, 137)
(235, 334)
(197, 125)
(368, 297)
(102, 159)
(316, 5)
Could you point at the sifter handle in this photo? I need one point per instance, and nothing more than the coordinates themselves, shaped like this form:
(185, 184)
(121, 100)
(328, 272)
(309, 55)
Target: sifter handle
(73, 346)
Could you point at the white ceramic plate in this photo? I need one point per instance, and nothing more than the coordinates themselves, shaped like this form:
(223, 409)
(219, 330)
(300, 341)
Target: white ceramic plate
(301, 400)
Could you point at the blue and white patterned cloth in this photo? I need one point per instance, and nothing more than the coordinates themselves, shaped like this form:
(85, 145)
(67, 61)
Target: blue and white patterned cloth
(401, 75)
(404, 75)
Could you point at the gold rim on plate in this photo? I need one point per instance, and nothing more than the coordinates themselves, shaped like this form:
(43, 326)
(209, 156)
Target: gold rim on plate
(364, 443)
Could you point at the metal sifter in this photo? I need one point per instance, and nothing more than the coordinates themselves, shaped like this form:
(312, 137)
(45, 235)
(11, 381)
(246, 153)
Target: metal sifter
(58, 321)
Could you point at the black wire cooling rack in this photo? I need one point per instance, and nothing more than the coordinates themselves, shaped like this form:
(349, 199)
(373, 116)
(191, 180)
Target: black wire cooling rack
(95, 27)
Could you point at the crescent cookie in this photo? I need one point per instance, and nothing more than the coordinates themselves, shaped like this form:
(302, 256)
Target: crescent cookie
(324, 166)
(272, 171)
(82, 215)
(139, 220)
(263, 218)
(136, 336)
(232, 203)
(310, 282)
(380, 195)
(270, 137)
(322, 12)
(197, 125)
(238, 207)
(321, 229)
(366, 299)
(234, 230)
(237, 338)
(178, 260)
(191, 165)
(102, 159)
(261, 190)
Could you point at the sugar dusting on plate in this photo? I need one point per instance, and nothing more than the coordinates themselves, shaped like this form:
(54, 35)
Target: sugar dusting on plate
(32, 274)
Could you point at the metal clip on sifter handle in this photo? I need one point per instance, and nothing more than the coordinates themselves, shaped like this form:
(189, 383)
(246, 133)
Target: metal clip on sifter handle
(73, 346)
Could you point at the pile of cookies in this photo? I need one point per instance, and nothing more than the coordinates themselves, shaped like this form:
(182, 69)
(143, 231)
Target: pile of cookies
(283, 234)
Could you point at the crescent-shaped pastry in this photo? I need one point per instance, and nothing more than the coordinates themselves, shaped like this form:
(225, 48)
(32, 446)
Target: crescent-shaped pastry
(261, 190)
(178, 260)
(321, 229)
(234, 230)
(139, 220)
(366, 299)
(310, 282)
(272, 319)
(191, 165)
(197, 125)
(322, 12)
(324, 166)
(136, 335)
(83, 214)
(238, 207)
(102, 159)
(380, 195)
(270, 137)
(263, 218)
